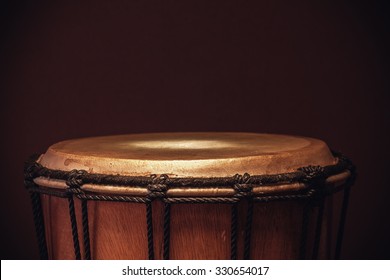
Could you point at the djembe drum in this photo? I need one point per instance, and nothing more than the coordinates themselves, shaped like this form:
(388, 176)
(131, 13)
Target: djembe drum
(189, 196)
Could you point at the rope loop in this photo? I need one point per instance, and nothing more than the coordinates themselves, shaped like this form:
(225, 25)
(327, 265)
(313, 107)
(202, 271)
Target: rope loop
(242, 179)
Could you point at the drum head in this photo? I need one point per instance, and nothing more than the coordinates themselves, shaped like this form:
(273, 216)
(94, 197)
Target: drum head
(188, 154)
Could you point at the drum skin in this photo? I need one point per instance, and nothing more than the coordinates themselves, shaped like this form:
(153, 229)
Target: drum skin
(118, 230)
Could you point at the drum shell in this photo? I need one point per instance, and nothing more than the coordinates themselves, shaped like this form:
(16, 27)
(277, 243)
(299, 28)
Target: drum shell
(118, 230)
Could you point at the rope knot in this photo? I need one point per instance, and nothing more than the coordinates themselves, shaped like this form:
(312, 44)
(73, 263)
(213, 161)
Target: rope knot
(315, 178)
(242, 186)
(158, 187)
(313, 174)
(75, 180)
(30, 170)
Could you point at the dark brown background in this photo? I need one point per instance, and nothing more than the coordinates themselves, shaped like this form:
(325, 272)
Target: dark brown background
(84, 68)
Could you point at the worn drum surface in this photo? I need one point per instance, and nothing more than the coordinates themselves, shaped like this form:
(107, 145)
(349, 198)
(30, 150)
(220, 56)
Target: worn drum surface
(188, 196)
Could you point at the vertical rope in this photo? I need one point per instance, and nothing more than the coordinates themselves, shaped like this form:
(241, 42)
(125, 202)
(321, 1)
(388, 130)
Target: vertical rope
(39, 225)
(73, 222)
(305, 225)
(317, 235)
(149, 225)
(233, 234)
(248, 230)
(343, 217)
(87, 246)
(167, 224)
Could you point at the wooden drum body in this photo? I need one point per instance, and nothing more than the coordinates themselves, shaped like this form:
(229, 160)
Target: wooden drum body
(189, 196)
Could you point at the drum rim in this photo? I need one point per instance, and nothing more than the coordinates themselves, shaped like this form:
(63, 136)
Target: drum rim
(85, 185)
